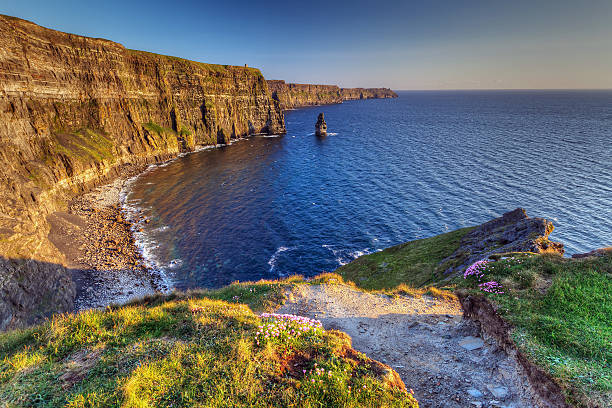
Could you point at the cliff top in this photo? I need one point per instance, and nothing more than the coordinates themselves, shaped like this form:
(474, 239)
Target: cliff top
(205, 348)
(68, 38)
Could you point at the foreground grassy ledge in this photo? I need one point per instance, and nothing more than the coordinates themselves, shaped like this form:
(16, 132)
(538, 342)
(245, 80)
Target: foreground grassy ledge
(197, 349)
(560, 311)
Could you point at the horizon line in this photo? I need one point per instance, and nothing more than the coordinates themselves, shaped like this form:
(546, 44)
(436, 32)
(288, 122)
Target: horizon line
(498, 89)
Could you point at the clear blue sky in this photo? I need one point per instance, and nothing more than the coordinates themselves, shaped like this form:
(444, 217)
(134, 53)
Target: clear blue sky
(453, 44)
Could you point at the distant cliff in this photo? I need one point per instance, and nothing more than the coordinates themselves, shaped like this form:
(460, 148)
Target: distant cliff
(73, 110)
(291, 96)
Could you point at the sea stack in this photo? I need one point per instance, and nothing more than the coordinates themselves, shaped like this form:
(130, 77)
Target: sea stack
(321, 126)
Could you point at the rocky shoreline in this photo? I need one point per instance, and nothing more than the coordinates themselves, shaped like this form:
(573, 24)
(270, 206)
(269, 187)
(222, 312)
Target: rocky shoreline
(96, 237)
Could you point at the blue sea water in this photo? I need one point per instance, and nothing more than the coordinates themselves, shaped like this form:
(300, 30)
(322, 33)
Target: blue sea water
(391, 170)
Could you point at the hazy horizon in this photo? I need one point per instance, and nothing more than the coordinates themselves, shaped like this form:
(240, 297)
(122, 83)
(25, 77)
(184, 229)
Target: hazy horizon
(439, 45)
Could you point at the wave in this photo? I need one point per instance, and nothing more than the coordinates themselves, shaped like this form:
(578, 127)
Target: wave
(345, 255)
(274, 258)
(145, 244)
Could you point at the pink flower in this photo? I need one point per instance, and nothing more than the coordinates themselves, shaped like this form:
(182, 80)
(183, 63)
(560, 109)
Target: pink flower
(477, 269)
(491, 287)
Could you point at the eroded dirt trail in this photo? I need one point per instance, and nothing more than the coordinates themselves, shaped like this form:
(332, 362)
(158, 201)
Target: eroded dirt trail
(437, 353)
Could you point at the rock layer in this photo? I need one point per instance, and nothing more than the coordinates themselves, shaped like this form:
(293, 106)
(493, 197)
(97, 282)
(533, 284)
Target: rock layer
(73, 111)
(291, 96)
(514, 231)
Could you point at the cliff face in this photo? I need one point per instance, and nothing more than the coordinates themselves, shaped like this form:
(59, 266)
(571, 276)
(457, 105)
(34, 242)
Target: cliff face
(73, 110)
(291, 96)
(366, 93)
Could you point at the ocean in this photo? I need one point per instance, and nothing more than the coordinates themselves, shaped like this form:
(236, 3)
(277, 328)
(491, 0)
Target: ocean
(390, 171)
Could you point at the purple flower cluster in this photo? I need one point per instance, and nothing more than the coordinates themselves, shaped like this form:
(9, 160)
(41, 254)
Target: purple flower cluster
(285, 326)
(477, 269)
(491, 287)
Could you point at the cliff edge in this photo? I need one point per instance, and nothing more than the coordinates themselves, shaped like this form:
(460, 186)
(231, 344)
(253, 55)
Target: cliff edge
(74, 111)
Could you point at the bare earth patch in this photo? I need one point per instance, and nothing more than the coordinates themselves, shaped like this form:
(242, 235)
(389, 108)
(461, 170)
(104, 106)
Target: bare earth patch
(426, 340)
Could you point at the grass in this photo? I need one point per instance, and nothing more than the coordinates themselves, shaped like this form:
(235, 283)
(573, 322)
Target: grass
(198, 349)
(561, 310)
(85, 145)
(216, 68)
(155, 128)
(414, 263)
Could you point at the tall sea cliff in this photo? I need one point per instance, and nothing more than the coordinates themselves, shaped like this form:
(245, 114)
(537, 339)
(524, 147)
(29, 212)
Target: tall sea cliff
(74, 111)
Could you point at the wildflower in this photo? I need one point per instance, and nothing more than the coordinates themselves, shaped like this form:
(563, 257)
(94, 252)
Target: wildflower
(476, 269)
(491, 287)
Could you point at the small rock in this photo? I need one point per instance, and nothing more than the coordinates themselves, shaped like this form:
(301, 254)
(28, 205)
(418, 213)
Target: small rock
(471, 343)
(498, 391)
(474, 393)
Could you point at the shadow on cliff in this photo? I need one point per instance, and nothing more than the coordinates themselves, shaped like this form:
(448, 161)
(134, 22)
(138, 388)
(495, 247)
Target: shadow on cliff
(32, 291)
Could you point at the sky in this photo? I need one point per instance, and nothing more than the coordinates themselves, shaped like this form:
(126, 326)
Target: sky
(435, 44)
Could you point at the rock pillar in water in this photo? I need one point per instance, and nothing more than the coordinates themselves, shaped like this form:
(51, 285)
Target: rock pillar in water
(321, 126)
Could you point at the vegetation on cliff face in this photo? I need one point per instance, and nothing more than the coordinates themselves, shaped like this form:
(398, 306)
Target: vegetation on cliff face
(191, 350)
(561, 313)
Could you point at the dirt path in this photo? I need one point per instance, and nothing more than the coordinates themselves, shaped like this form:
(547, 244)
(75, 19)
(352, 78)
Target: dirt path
(426, 340)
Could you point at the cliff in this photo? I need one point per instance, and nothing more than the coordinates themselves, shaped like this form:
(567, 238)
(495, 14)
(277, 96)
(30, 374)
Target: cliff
(291, 96)
(366, 93)
(73, 111)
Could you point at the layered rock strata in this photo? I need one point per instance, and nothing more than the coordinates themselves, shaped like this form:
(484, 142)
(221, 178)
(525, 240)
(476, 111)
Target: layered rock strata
(74, 111)
(291, 96)
(514, 231)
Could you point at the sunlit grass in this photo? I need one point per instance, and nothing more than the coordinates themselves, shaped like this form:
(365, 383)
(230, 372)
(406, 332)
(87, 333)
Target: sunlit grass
(414, 263)
(189, 351)
(562, 313)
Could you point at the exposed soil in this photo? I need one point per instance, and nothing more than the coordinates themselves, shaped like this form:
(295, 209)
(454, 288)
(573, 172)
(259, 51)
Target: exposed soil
(426, 340)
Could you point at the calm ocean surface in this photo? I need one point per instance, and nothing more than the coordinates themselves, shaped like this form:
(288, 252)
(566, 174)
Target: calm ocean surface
(392, 170)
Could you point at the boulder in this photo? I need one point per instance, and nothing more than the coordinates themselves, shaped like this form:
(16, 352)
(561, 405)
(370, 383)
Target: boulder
(514, 231)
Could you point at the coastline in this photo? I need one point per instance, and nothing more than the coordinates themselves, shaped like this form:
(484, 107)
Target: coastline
(95, 235)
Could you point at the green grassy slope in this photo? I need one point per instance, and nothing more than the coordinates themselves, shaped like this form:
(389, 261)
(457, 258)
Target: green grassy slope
(190, 351)
(415, 263)
(561, 310)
